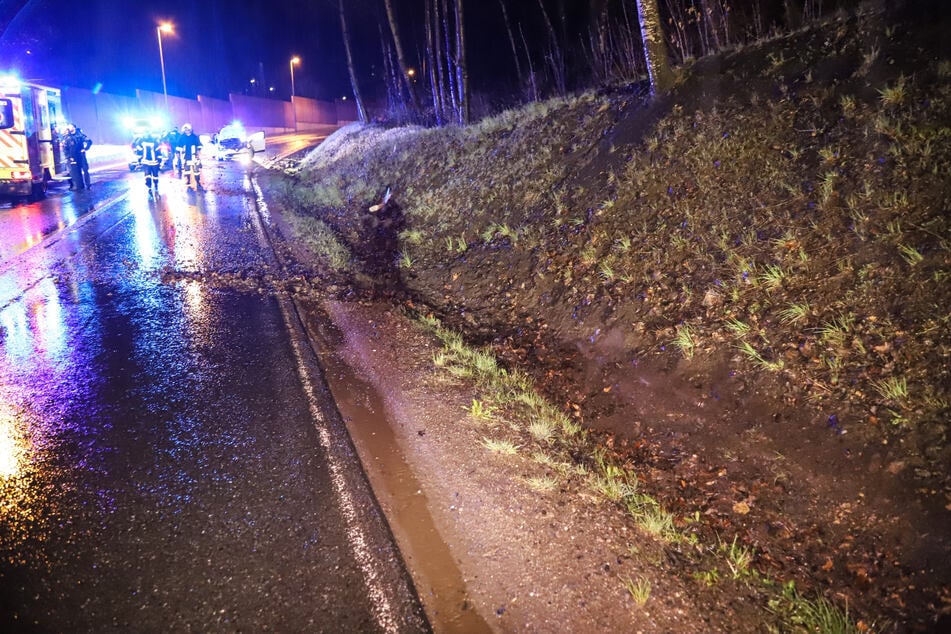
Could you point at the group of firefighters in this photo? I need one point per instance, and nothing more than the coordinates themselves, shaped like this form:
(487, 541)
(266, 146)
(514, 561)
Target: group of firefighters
(185, 147)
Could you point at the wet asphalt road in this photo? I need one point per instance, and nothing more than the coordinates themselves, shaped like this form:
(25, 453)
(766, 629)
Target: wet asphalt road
(169, 460)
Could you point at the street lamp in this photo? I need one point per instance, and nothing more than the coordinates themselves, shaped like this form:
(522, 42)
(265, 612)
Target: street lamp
(164, 27)
(294, 61)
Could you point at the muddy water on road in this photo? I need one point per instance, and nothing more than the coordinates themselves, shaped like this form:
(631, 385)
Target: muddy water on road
(438, 579)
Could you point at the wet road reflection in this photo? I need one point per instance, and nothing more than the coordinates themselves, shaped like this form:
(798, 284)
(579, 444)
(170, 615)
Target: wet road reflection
(159, 466)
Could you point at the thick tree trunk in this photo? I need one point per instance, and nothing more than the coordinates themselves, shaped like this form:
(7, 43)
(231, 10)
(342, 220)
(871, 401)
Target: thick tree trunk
(450, 58)
(400, 57)
(655, 49)
(361, 109)
(461, 69)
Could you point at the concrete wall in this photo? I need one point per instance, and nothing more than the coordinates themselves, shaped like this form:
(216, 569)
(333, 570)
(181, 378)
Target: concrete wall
(269, 115)
(216, 113)
(310, 112)
(180, 109)
(102, 116)
(346, 111)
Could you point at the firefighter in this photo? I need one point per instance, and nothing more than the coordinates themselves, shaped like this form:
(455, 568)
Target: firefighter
(171, 138)
(191, 150)
(148, 146)
(75, 144)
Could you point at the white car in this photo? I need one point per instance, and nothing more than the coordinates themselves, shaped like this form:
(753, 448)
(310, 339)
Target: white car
(233, 139)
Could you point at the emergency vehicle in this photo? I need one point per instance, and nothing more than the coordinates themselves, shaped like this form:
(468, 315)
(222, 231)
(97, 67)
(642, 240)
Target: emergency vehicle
(30, 156)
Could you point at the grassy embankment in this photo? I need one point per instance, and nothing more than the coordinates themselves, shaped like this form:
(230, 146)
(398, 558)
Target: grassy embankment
(791, 210)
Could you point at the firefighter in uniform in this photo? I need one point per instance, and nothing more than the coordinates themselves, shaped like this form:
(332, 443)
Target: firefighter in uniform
(190, 146)
(75, 144)
(148, 147)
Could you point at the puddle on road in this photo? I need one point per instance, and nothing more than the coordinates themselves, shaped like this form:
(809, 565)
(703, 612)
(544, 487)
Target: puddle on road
(434, 571)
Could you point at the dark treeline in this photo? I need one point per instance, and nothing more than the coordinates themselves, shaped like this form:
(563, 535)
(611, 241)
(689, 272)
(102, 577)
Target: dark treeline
(445, 61)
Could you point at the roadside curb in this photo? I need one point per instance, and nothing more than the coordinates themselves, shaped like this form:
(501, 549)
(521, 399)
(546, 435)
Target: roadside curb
(389, 585)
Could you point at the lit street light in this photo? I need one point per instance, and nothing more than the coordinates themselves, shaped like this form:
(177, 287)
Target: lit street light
(294, 61)
(164, 27)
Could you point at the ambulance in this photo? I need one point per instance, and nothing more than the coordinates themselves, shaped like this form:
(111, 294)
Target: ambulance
(30, 150)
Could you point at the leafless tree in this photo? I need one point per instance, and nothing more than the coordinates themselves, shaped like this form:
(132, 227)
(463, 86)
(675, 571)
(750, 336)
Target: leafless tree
(556, 54)
(435, 85)
(533, 80)
(462, 71)
(351, 69)
(400, 57)
(508, 29)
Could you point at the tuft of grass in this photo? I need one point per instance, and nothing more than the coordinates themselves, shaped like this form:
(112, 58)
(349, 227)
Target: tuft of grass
(484, 364)
(795, 313)
(738, 559)
(503, 447)
(911, 255)
(746, 348)
(737, 327)
(894, 96)
(800, 614)
(639, 590)
(542, 483)
(772, 278)
(827, 186)
(480, 410)
(685, 341)
(708, 577)
(656, 521)
(413, 236)
(835, 333)
(894, 389)
(847, 102)
(321, 240)
(541, 430)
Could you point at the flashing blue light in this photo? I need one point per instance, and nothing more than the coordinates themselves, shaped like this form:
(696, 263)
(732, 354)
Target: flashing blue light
(9, 83)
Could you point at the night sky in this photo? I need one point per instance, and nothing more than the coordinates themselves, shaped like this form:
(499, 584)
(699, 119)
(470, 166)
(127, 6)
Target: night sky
(218, 45)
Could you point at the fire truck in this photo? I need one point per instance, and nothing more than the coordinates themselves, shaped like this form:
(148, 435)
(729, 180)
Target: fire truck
(30, 150)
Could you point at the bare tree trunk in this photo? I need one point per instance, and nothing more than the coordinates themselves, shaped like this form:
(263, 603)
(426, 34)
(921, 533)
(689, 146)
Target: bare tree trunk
(655, 50)
(400, 57)
(396, 99)
(461, 69)
(361, 109)
(450, 58)
(711, 15)
(508, 28)
(531, 67)
(438, 26)
(431, 62)
(555, 57)
(602, 25)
